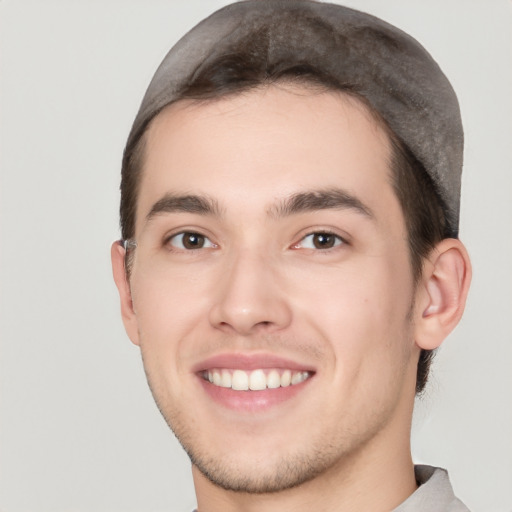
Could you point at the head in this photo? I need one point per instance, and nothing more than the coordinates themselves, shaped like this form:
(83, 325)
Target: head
(205, 137)
(247, 66)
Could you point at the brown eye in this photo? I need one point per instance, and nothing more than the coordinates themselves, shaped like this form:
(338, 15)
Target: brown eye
(320, 240)
(190, 241)
(323, 240)
(193, 241)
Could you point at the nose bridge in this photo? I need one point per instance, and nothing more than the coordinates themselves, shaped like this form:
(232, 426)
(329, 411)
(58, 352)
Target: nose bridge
(249, 297)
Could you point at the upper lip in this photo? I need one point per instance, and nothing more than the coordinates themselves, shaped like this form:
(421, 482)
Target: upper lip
(248, 362)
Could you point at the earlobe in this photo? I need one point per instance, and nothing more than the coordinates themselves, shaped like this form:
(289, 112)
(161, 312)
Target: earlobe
(129, 317)
(442, 293)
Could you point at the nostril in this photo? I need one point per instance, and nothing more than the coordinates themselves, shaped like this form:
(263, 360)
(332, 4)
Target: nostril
(256, 309)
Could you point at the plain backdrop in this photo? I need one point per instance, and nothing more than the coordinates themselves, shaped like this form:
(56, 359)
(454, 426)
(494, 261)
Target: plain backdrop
(79, 430)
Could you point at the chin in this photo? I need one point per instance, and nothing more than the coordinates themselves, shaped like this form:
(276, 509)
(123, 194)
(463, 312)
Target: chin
(256, 477)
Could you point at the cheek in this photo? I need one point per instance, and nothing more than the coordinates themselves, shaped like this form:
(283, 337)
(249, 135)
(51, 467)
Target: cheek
(363, 312)
(168, 309)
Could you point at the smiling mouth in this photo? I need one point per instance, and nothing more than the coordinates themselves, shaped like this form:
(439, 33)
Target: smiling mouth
(255, 380)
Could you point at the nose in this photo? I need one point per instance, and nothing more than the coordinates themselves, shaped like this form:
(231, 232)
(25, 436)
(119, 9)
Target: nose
(249, 298)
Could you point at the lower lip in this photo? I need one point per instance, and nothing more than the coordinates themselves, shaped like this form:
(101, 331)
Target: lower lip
(251, 401)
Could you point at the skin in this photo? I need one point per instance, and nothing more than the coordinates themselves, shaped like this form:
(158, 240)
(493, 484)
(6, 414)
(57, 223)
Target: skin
(259, 286)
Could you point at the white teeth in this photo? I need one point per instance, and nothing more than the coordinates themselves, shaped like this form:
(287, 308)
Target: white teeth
(216, 378)
(286, 378)
(299, 377)
(256, 380)
(240, 380)
(225, 380)
(273, 380)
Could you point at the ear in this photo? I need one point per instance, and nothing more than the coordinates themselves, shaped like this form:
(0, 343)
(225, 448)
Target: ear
(118, 253)
(442, 292)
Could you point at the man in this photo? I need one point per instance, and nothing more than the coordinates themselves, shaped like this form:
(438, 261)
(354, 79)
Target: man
(289, 213)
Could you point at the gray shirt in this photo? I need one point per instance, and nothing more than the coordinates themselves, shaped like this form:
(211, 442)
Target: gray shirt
(434, 494)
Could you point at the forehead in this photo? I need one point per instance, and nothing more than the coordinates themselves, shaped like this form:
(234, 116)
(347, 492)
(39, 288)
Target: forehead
(262, 145)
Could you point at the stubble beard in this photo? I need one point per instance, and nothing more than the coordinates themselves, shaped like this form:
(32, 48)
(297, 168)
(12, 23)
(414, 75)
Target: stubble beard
(289, 472)
(291, 469)
(243, 475)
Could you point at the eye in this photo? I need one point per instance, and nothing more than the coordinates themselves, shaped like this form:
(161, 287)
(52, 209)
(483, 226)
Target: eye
(189, 240)
(319, 240)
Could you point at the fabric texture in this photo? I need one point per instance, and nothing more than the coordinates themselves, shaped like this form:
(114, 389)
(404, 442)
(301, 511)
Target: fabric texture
(434, 494)
(395, 74)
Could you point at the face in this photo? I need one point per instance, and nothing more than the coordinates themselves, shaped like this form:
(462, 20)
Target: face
(271, 286)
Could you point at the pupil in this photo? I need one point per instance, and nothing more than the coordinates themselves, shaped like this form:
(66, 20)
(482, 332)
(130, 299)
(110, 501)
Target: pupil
(193, 241)
(323, 241)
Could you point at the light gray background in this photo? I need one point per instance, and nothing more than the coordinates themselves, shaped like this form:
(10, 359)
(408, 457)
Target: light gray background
(79, 430)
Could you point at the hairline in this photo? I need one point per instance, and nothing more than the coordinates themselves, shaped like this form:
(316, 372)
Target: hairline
(294, 85)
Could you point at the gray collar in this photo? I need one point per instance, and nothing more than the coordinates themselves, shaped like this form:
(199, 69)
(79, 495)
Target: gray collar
(434, 494)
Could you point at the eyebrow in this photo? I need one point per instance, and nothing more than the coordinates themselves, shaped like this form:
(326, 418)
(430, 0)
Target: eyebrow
(171, 203)
(326, 199)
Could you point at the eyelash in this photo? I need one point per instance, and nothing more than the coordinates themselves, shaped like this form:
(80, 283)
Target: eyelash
(168, 241)
(337, 241)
